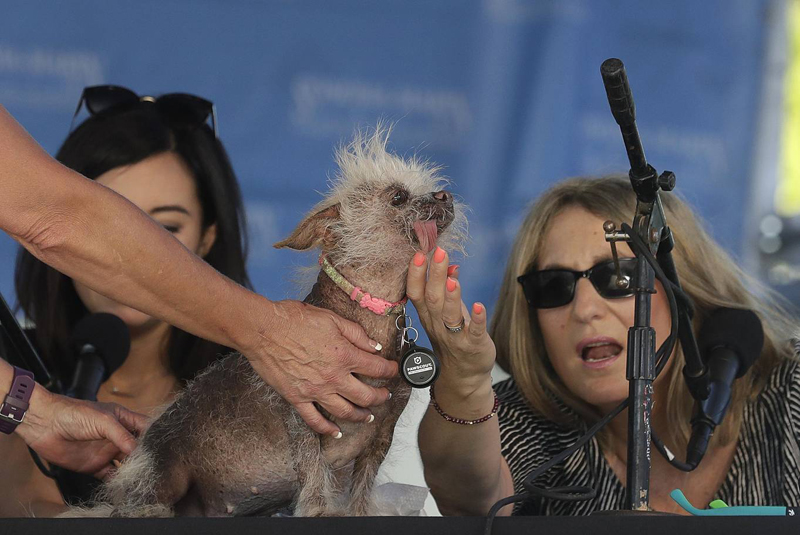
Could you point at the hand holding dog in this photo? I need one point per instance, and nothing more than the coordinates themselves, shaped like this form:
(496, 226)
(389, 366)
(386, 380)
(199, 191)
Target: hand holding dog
(309, 355)
(80, 435)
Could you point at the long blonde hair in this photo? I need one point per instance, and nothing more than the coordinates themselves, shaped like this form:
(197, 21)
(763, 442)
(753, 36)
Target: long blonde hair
(708, 275)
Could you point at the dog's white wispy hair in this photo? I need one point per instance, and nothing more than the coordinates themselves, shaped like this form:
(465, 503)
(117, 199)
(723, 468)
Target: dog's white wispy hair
(365, 168)
(365, 160)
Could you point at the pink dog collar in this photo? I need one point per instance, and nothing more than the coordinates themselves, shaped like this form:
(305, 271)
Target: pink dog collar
(379, 306)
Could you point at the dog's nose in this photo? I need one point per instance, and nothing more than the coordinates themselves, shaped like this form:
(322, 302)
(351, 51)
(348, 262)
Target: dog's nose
(443, 196)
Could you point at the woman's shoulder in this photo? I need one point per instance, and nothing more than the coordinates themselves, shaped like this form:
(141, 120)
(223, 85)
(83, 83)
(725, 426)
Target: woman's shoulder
(764, 468)
(775, 411)
(784, 379)
(518, 419)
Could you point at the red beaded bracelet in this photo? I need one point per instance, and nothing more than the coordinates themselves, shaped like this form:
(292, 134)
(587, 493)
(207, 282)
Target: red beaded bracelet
(461, 420)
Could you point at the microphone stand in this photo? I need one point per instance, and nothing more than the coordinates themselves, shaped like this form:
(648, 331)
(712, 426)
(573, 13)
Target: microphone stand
(652, 242)
(21, 348)
(649, 223)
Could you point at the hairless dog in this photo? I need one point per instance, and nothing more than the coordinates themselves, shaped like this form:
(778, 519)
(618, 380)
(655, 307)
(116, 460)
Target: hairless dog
(229, 445)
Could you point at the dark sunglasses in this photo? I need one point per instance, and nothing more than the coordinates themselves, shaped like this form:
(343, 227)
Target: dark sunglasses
(180, 109)
(552, 288)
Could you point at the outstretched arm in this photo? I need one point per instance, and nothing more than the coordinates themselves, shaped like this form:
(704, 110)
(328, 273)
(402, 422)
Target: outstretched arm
(463, 464)
(99, 238)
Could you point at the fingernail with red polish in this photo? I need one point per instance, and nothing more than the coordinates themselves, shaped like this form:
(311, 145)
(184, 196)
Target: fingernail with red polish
(477, 308)
(452, 269)
(419, 258)
(451, 284)
(438, 256)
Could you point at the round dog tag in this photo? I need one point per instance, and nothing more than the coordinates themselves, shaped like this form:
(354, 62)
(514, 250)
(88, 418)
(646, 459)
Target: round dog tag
(419, 366)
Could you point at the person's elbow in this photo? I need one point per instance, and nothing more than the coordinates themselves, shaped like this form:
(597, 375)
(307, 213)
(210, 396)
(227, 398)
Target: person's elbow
(462, 505)
(463, 497)
(44, 232)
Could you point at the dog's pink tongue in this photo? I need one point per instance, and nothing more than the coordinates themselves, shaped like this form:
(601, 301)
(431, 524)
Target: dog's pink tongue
(426, 234)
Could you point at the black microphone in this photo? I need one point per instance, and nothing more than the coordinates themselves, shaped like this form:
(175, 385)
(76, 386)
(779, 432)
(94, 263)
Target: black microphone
(101, 343)
(643, 176)
(731, 340)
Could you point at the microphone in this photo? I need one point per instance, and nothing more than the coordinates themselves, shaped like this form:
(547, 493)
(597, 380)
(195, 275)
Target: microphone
(644, 178)
(101, 342)
(731, 340)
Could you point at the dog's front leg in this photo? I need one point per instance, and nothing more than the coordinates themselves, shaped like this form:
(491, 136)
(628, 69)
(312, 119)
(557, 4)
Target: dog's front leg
(321, 486)
(367, 464)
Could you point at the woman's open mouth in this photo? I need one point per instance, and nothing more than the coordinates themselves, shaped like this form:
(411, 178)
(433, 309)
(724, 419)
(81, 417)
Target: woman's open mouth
(599, 353)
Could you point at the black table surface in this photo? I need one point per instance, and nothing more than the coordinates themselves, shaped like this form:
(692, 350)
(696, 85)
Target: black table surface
(592, 525)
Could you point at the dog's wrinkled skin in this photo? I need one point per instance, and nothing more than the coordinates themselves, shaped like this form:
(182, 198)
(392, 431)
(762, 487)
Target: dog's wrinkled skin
(230, 445)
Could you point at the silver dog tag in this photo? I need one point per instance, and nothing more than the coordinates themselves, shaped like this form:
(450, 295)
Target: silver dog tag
(419, 366)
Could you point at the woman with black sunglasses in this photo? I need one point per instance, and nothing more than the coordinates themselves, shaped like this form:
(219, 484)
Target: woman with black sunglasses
(563, 339)
(110, 248)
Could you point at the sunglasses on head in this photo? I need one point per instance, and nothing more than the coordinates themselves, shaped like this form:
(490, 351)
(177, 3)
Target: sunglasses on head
(552, 288)
(180, 109)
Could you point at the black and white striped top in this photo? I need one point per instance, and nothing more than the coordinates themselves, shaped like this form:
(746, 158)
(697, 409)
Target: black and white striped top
(765, 468)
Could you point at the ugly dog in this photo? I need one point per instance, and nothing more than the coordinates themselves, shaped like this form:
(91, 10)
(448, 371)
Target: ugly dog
(230, 445)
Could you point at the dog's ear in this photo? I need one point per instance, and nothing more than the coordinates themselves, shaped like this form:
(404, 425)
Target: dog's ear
(313, 231)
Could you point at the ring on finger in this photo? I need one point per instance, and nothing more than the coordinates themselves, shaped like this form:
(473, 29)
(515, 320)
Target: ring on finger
(457, 329)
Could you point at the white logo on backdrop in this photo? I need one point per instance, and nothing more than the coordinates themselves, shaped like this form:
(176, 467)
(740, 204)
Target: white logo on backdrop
(521, 11)
(325, 106)
(42, 78)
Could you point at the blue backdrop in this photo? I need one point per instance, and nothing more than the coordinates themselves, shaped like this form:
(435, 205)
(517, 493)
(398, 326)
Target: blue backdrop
(505, 93)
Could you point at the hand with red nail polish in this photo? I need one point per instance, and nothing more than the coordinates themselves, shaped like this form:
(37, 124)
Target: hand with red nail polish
(463, 390)
(468, 353)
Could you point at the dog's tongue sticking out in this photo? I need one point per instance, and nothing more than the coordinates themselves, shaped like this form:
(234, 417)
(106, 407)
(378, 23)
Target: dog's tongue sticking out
(426, 234)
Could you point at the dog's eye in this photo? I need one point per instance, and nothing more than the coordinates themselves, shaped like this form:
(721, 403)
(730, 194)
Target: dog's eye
(400, 197)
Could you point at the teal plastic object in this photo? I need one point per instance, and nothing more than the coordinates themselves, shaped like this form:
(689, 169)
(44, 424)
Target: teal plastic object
(681, 500)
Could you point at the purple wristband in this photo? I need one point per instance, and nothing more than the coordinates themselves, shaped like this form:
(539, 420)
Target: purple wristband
(12, 411)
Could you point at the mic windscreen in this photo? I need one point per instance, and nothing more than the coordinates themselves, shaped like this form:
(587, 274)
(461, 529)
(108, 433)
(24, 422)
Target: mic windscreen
(736, 329)
(618, 90)
(108, 334)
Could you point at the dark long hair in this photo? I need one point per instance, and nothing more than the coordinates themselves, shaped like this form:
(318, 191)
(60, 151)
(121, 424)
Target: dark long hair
(124, 137)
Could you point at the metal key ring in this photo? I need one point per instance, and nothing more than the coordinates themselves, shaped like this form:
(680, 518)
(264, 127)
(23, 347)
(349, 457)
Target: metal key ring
(407, 322)
(416, 335)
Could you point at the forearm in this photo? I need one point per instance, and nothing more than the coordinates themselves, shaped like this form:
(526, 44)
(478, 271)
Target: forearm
(99, 238)
(105, 242)
(38, 405)
(39, 399)
(463, 463)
